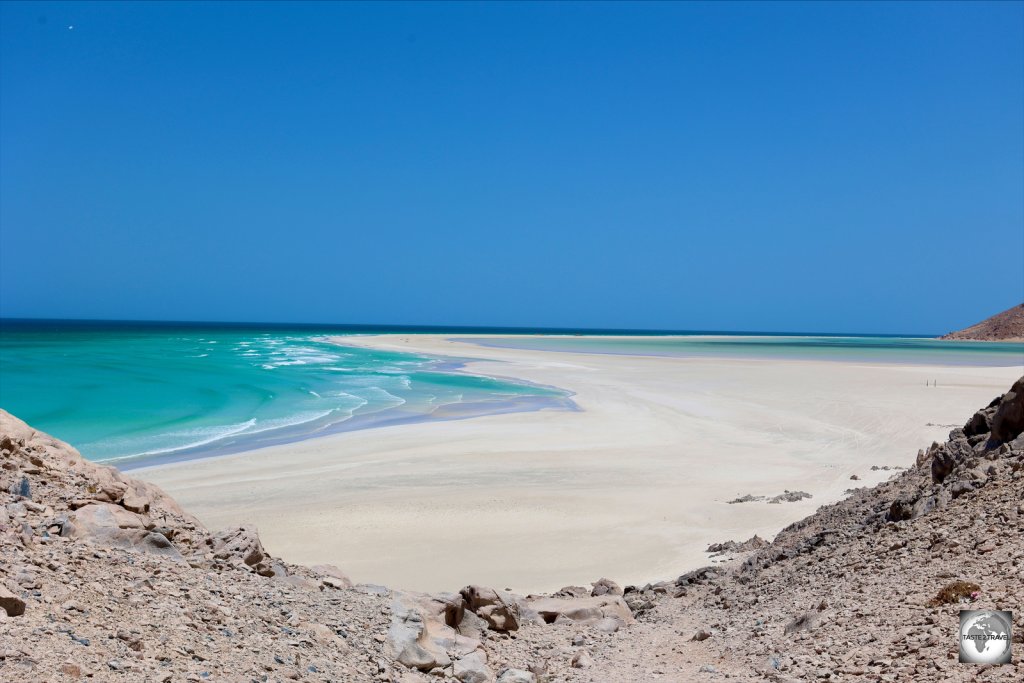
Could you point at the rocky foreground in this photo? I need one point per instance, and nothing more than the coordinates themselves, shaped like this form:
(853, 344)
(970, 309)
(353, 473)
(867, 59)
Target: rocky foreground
(103, 577)
(1005, 326)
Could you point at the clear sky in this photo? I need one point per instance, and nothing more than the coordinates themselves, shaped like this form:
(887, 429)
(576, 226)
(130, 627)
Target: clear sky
(777, 167)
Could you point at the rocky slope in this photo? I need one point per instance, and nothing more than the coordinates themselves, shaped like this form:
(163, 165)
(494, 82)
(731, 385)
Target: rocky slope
(106, 578)
(1005, 326)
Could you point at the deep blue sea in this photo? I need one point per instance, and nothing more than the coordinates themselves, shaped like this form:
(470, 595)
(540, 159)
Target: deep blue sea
(144, 393)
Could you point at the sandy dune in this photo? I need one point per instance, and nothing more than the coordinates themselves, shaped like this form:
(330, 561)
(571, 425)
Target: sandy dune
(633, 486)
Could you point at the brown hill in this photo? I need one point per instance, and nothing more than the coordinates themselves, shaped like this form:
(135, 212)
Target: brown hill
(1005, 326)
(104, 577)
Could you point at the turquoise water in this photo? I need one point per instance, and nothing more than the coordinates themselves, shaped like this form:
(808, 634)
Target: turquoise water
(142, 396)
(920, 351)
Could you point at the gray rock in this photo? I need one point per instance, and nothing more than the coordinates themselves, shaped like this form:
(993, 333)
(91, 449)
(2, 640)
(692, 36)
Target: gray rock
(472, 668)
(607, 625)
(942, 464)
(805, 622)
(516, 676)
(605, 587)
(409, 643)
(242, 544)
(1008, 421)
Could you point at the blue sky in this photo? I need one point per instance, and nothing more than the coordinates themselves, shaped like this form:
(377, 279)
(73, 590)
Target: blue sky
(787, 167)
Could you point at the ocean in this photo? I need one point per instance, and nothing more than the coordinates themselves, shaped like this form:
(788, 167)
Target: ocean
(141, 394)
(145, 393)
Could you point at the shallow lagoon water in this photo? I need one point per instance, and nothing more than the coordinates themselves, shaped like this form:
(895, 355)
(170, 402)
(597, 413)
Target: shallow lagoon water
(849, 349)
(142, 395)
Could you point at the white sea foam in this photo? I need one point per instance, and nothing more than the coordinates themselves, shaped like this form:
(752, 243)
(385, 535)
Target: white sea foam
(188, 438)
(385, 396)
(291, 421)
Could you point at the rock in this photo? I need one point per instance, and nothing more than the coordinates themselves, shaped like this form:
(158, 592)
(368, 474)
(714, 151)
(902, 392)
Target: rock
(805, 622)
(516, 676)
(409, 641)
(901, 509)
(748, 498)
(790, 497)
(942, 464)
(472, 668)
(586, 610)
(582, 660)
(113, 526)
(97, 519)
(326, 635)
(701, 635)
(242, 544)
(699, 576)
(1008, 421)
(980, 423)
(331, 576)
(136, 498)
(605, 587)
(11, 603)
(500, 615)
(753, 543)
(607, 625)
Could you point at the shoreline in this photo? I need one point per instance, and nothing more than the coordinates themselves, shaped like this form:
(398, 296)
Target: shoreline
(458, 365)
(634, 486)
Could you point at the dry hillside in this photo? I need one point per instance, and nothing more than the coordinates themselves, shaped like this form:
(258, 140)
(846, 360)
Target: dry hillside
(1005, 326)
(105, 578)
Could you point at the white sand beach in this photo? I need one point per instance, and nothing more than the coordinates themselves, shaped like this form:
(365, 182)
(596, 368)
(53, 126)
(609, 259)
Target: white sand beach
(633, 486)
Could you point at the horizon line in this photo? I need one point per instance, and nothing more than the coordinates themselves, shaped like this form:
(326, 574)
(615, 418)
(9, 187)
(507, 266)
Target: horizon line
(504, 329)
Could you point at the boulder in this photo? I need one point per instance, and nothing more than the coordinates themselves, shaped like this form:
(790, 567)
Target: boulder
(409, 642)
(901, 509)
(585, 610)
(607, 625)
(980, 423)
(113, 526)
(242, 545)
(942, 464)
(331, 576)
(500, 614)
(1008, 421)
(472, 668)
(516, 676)
(699, 576)
(605, 587)
(450, 608)
(136, 498)
(11, 603)
(97, 517)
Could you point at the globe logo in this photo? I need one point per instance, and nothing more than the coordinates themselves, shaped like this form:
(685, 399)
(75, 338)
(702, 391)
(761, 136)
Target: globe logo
(985, 636)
